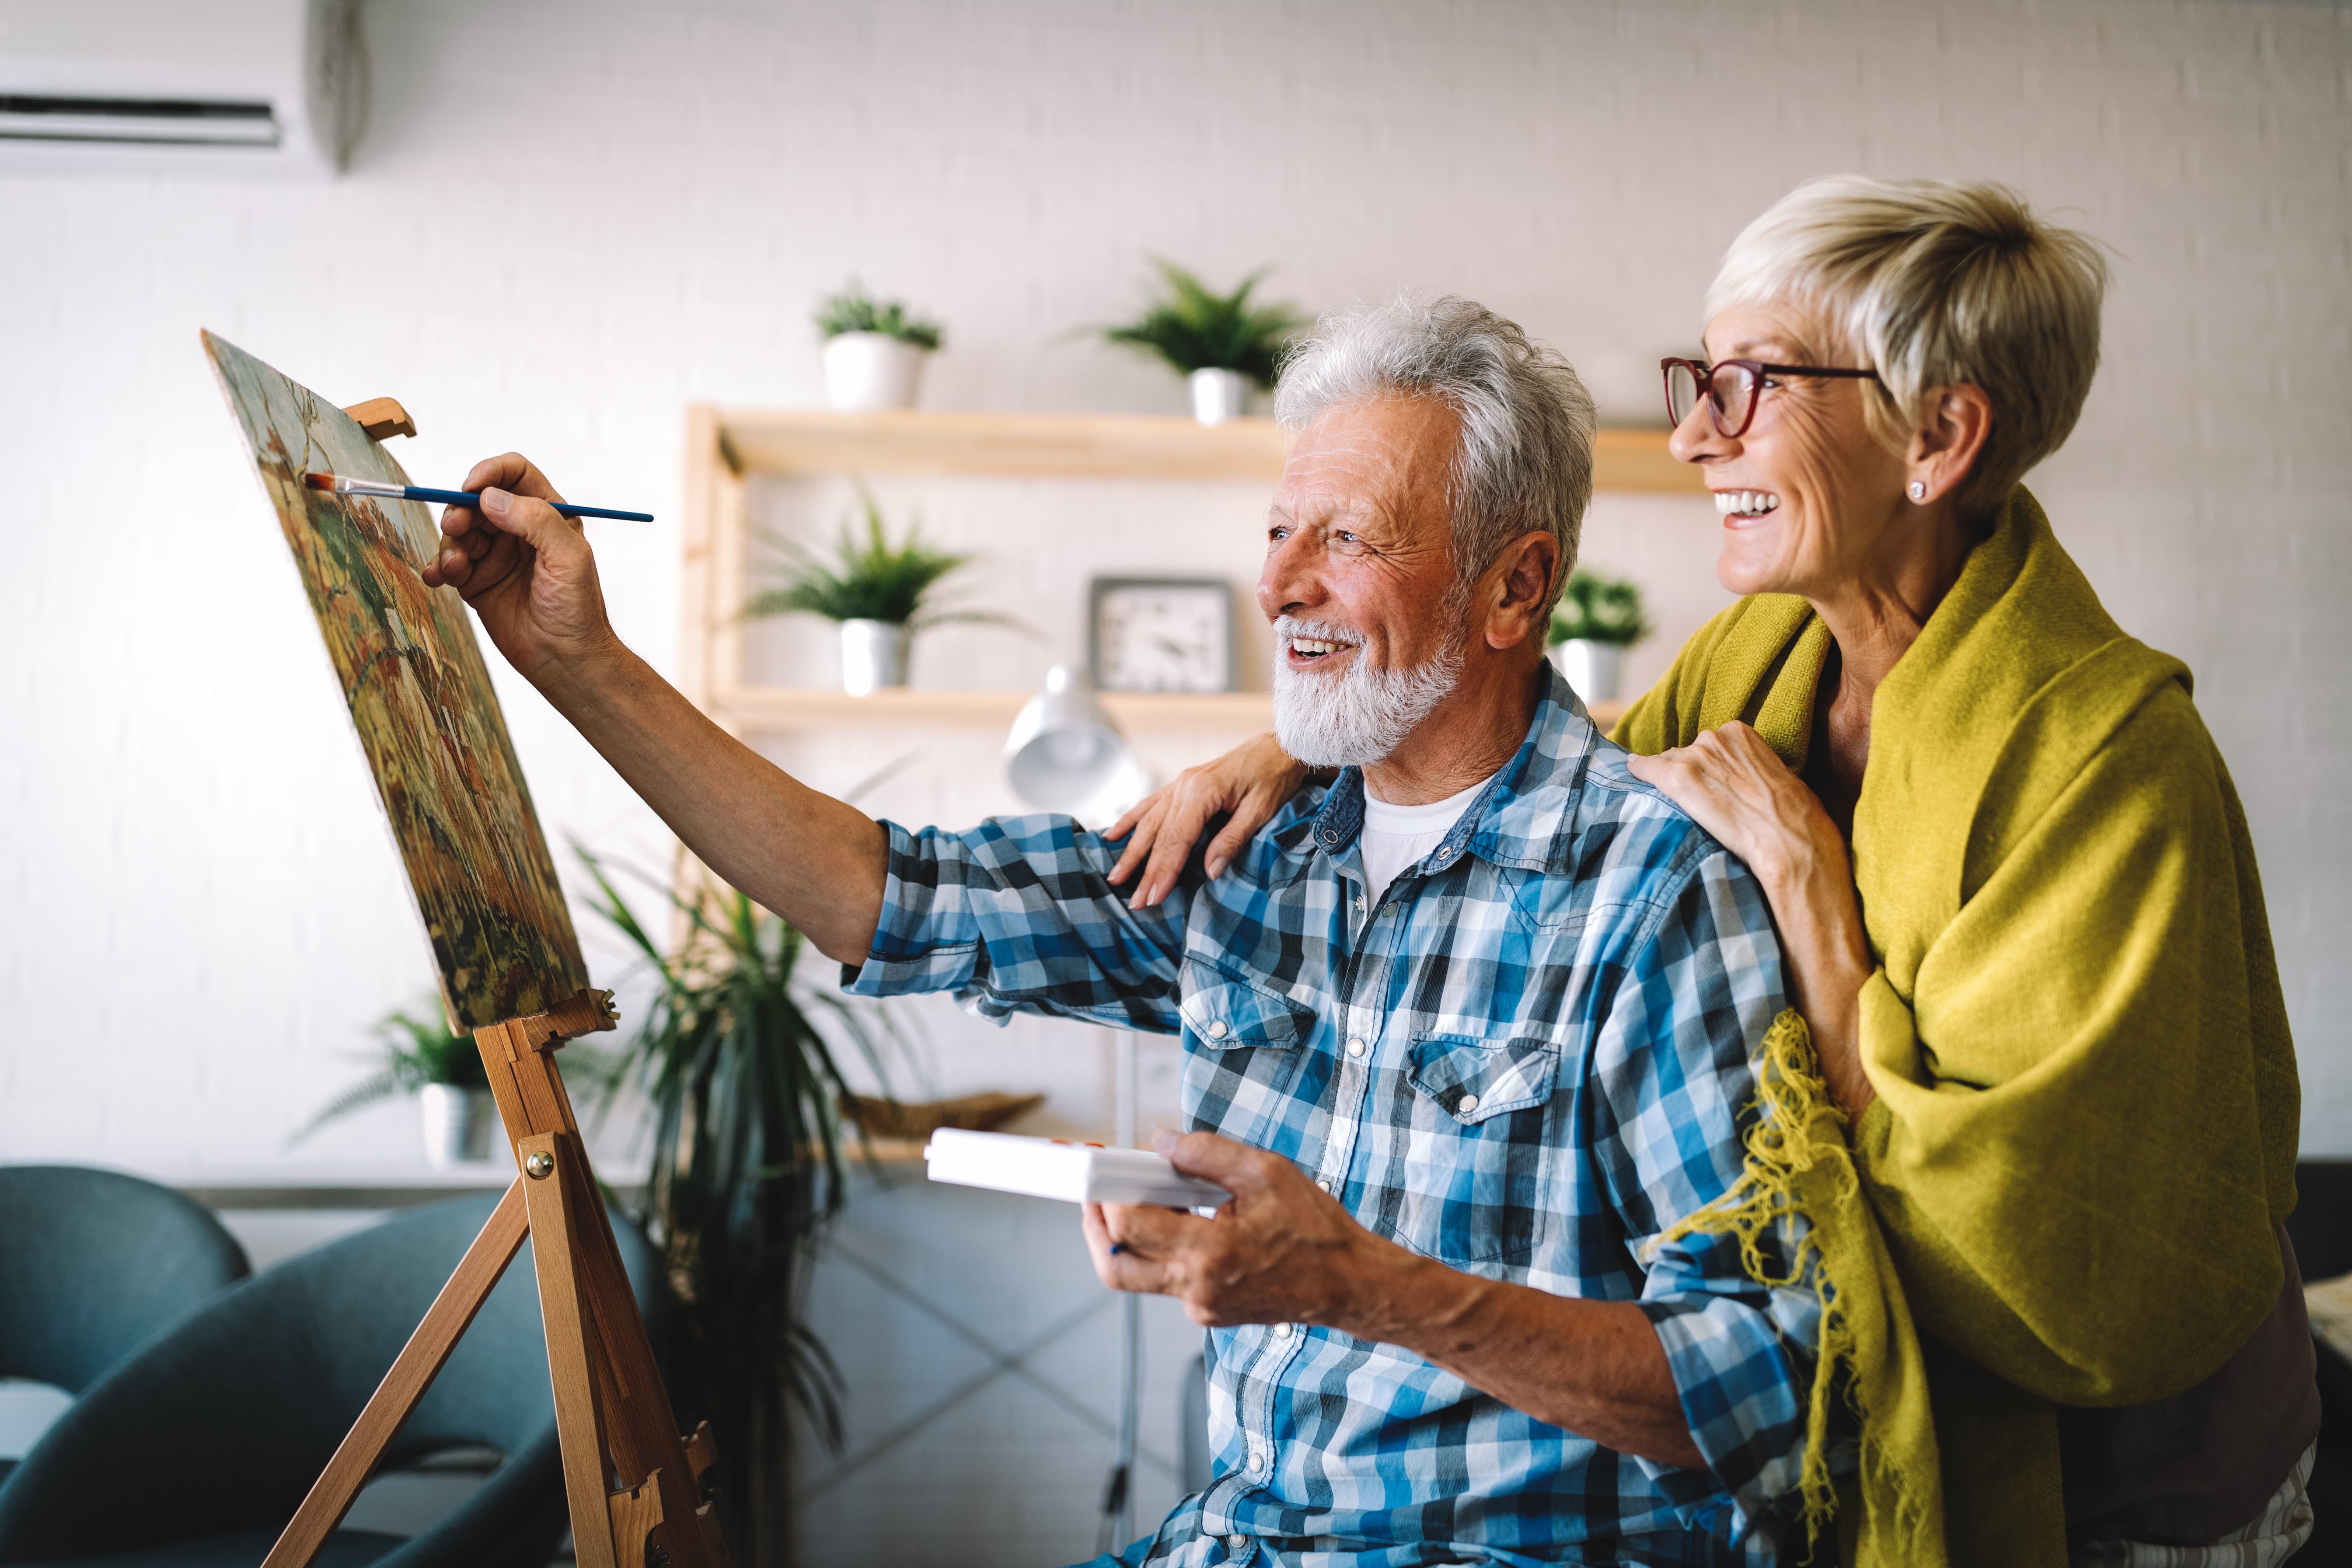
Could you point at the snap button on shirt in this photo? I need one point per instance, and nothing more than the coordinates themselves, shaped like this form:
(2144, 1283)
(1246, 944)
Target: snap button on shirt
(1217, 1030)
(1355, 1048)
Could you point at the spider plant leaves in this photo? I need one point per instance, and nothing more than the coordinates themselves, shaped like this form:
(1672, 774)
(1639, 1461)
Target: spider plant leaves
(855, 311)
(417, 1049)
(1192, 327)
(871, 579)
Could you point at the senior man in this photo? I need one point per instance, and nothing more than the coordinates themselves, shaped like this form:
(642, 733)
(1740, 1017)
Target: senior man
(1465, 1030)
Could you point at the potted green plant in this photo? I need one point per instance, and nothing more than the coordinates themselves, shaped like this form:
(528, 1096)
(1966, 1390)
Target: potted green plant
(874, 590)
(1222, 342)
(872, 350)
(743, 1094)
(1597, 619)
(421, 1056)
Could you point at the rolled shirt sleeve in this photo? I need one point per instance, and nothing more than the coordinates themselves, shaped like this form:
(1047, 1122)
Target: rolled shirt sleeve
(1019, 915)
(1677, 1083)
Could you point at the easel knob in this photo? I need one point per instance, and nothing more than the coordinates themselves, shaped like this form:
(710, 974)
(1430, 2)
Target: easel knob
(539, 1165)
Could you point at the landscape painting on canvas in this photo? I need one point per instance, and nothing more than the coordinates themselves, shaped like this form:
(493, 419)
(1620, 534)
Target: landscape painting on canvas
(420, 699)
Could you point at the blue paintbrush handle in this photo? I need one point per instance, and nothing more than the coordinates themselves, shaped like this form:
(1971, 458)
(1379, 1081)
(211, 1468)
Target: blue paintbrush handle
(474, 499)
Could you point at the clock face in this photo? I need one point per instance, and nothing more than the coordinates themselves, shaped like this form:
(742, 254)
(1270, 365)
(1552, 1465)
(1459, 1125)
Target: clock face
(1164, 636)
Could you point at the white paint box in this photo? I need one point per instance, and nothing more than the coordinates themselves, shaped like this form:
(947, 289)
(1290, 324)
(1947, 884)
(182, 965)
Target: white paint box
(1057, 1168)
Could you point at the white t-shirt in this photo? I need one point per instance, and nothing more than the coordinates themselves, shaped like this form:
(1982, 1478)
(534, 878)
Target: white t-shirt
(1396, 836)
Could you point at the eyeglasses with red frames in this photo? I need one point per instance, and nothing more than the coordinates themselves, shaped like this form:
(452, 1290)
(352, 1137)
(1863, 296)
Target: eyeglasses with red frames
(1731, 386)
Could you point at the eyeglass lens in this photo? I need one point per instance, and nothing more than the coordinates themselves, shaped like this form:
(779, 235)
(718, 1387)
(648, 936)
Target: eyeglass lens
(1730, 388)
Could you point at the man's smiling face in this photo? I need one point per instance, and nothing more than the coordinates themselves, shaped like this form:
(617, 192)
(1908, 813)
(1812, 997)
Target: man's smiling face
(1358, 542)
(1360, 581)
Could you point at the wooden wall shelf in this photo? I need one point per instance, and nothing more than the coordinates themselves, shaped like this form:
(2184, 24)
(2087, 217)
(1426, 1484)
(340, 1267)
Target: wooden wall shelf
(755, 709)
(726, 447)
(1088, 446)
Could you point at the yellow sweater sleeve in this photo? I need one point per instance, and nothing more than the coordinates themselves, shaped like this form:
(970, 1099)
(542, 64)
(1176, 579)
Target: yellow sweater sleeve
(2101, 971)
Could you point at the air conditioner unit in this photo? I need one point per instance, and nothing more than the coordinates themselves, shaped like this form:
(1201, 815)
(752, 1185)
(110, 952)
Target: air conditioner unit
(158, 84)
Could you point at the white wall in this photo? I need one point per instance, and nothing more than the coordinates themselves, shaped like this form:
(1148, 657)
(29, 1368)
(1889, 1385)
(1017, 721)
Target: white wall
(569, 220)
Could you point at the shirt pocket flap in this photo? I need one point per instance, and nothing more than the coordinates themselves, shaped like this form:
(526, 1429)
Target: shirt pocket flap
(1222, 1013)
(1471, 1078)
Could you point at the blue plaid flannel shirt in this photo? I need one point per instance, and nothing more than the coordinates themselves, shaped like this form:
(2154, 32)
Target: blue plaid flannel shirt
(1527, 1060)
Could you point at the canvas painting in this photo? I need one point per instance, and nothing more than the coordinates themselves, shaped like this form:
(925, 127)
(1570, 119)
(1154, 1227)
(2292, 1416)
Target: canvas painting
(420, 697)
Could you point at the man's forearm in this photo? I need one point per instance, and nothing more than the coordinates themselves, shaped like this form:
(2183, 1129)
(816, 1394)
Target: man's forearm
(1594, 1368)
(813, 859)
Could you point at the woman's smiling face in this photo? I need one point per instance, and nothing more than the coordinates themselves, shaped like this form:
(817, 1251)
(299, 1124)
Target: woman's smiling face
(1808, 494)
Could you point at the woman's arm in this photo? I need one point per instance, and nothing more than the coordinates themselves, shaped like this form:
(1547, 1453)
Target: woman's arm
(1249, 782)
(1734, 785)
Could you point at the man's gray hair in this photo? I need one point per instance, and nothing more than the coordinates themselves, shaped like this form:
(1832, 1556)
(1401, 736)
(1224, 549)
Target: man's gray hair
(1525, 462)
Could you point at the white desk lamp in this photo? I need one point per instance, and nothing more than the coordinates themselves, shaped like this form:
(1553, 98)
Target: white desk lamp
(1065, 754)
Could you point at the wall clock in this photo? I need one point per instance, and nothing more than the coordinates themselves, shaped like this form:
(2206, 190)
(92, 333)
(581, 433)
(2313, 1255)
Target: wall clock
(1160, 633)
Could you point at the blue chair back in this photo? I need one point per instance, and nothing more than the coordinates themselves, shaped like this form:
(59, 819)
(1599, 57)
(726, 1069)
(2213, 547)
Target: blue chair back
(217, 1430)
(94, 1264)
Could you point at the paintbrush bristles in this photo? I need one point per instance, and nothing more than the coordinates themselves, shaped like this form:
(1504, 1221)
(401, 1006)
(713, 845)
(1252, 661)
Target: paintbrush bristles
(319, 481)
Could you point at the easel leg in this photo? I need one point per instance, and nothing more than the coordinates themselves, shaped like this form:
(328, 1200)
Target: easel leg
(611, 1412)
(579, 1407)
(639, 1429)
(445, 1323)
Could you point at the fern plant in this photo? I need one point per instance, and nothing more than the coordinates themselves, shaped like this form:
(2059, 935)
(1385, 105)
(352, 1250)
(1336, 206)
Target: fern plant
(871, 579)
(1193, 328)
(855, 311)
(1598, 609)
(749, 1158)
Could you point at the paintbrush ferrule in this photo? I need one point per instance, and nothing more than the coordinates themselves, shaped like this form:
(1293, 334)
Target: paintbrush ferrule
(344, 487)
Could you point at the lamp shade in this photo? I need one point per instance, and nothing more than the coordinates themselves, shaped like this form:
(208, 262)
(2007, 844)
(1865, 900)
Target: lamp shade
(1065, 754)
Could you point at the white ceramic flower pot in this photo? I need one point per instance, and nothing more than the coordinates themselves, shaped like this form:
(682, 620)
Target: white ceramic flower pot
(872, 655)
(1219, 395)
(457, 1124)
(868, 371)
(1592, 668)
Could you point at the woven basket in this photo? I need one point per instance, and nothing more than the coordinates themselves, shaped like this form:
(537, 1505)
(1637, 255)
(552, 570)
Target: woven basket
(972, 1113)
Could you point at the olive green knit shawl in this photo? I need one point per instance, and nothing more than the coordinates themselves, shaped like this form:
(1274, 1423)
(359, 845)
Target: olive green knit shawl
(2069, 1188)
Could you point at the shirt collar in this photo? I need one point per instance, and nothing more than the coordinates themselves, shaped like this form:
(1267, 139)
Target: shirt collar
(1560, 733)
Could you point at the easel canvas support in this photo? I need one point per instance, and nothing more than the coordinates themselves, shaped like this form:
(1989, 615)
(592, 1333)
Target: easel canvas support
(636, 1491)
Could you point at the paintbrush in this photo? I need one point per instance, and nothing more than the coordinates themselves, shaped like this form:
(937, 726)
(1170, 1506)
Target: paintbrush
(335, 484)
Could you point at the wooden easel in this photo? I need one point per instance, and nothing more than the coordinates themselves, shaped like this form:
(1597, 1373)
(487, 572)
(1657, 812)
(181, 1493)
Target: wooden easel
(613, 1417)
(611, 1413)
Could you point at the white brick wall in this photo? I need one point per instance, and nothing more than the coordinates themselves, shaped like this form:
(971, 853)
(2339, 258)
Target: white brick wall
(570, 219)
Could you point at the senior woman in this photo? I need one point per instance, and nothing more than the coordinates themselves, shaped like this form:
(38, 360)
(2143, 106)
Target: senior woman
(2017, 900)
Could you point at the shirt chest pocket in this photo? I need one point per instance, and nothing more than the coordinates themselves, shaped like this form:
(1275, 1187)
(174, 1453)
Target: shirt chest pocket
(1242, 1057)
(1477, 1172)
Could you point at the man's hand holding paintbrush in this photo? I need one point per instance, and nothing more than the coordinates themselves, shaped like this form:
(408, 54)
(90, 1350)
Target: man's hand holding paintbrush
(528, 573)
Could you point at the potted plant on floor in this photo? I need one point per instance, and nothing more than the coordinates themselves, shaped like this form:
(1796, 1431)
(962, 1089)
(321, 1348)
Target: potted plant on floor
(750, 1155)
(1598, 618)
(444, 1070)
(1222, 342)
(874, 349)
(876, 590)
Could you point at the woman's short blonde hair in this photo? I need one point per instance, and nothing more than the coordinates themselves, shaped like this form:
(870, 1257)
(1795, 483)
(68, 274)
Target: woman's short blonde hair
(1933, 285)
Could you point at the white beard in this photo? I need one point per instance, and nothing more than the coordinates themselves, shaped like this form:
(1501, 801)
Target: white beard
(1362, 716)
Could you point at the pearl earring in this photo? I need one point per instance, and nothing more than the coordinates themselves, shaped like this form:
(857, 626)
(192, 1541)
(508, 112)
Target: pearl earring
(1919, 490)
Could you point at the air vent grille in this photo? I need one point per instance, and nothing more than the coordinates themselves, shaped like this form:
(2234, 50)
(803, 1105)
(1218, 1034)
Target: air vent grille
(172, 121)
